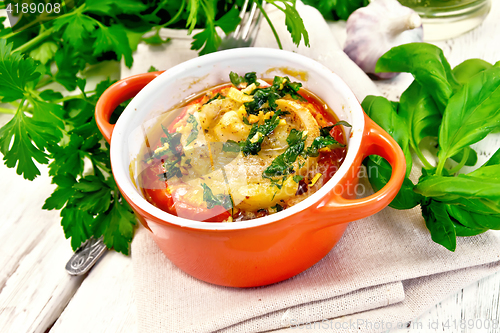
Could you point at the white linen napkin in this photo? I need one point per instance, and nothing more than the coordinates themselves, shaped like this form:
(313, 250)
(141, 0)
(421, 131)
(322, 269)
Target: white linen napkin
(384, 269)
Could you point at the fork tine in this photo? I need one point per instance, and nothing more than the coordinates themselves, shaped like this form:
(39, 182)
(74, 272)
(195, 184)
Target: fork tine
(246, 31)
(248, 24)
(242, 15)
(254, 27)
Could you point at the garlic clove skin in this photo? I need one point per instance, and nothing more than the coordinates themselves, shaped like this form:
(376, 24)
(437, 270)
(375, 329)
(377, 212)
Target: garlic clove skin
(375, 29)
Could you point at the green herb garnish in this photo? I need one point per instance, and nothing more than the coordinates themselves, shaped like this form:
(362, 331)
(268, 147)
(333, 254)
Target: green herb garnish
(248, 78)
(280, 88)
(283, 164)
(217, 96)
(325, 140)
(172, 169)
(258, 133)
(278, 208)
(194, 132)
(260, 97)
(231, 146)
(212, 200)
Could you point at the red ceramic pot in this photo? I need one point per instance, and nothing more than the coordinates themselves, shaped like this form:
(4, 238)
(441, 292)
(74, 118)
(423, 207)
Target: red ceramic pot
(267, 249)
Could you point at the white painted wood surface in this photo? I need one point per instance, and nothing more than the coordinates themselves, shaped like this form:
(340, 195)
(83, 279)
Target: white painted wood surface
(36, 294)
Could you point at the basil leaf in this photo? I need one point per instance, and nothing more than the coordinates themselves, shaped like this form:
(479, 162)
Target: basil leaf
(469, 68)
(471, 114)
(474, 220)
(494, 159)
(381, 111)
(479, 184)
(440, 224)
(379, 172)
(464, 231)
(422, 116)
(471, 160)
(427, 64)
(491, 172)
(475, 205)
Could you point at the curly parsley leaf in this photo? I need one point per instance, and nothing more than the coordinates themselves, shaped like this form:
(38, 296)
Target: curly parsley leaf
(62, 193)
(260, 97)
(24, 139)
(44, 52)
(116, 225)
(293, 21)
(76, 225)
(76, 28)
(115, 39)
(15, 72)
(208, 40)
(217, 96)
(231, 146)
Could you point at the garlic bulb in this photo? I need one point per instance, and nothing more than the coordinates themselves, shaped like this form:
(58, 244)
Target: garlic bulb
(375, 29)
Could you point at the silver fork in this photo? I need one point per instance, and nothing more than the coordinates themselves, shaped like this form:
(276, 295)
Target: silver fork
(245, 33)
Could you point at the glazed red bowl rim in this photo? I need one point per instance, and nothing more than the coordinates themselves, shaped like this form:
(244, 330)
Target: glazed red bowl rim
(121, 171)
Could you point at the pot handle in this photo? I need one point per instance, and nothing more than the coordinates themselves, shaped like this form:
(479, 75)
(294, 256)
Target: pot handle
(116, 94)
(376, 142)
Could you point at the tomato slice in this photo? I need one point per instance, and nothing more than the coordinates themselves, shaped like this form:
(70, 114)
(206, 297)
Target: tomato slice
(157, 192)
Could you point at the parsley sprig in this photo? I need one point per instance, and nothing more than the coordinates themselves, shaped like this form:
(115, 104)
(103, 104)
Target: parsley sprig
(49, 128)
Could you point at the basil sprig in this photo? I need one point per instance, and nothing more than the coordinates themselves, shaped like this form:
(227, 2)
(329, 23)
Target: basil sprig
(459, 107)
